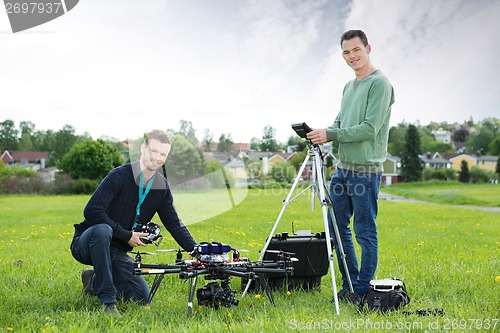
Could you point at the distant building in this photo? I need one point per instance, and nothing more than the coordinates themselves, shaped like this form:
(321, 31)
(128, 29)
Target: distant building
(28, 159)
(482, 161)
(442, 135)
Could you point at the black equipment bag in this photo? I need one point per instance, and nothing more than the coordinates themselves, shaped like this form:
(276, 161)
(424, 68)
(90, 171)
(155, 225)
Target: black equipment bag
(312, 264)
(385, 295)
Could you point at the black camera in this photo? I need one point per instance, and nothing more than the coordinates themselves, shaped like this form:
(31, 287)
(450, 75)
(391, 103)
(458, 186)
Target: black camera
(152, 229)
(215, 295)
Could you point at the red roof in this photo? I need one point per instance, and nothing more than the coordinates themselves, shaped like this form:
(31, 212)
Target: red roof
(31, 156)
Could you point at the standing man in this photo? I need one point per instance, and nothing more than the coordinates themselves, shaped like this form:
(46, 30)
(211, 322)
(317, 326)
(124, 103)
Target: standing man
(361, 129)
(129, 195)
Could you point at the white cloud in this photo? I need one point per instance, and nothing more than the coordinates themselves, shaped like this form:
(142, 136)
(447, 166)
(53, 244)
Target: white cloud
(116, 67)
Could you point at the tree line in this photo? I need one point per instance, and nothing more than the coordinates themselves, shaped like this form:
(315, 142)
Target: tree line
(85, 161)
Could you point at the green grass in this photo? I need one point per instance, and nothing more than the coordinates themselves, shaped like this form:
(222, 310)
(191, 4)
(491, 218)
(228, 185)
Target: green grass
(454, 193)
(448, 258)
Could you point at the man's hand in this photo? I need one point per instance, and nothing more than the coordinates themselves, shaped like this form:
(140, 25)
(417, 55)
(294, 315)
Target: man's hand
(135, 239)
(317, 136)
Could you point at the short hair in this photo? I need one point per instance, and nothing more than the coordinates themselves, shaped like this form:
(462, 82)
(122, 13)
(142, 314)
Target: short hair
(156, 134)
(348, 35)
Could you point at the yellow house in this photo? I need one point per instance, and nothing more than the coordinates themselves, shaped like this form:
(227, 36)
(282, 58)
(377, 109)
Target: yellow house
(482, 161)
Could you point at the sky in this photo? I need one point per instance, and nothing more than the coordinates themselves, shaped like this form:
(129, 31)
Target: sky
(119, 68)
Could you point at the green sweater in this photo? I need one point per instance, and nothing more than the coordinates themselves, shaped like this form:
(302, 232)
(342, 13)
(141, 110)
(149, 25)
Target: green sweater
(362, 125)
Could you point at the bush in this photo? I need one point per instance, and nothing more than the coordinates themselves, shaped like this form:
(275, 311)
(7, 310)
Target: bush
(85, 186)
(17, 180)
(442, 174)
(478, 175)
(16, 184)
(62, 184)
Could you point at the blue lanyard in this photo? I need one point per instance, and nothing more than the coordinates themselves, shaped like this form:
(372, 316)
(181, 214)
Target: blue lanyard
(143, 192)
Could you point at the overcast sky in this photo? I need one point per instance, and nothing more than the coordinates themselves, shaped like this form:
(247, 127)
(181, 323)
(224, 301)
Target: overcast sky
(121, 67)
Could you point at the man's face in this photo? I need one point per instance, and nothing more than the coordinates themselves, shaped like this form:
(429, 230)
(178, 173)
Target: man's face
(355, 53)
(154, 155)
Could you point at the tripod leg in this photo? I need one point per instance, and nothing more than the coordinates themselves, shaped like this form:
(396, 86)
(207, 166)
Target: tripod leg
(322, 198)
(340, 247)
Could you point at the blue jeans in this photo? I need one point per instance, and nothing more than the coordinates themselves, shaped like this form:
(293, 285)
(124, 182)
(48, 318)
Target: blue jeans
(356, 193)
(113, 278)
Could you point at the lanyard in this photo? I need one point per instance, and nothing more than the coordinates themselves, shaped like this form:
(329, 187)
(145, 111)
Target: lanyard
(143, 192)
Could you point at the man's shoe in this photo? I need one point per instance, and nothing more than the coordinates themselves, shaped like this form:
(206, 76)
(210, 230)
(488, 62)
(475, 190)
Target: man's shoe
(343, 294)
(110, 309)
(346, 296)
(354, 298)
(87, 274)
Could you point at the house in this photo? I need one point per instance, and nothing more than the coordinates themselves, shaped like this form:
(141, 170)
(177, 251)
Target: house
(238, 169)
(442, 135)
(435, 161)
(485, 162)
(392, 165)
(28, 159)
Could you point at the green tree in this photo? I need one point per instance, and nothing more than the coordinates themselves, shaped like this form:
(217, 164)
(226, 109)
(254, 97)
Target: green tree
(27, 129)
(45, 141)
(8, 136)
(411, 165)
(90, 159)
(187, 130)
(64, 139)
(494, 146)
(283, 172)
(396, 144)
(299, 143)
(463, 174)
(268, 142)
(478, 142)
(498, 166)
(225, 143)
(208, 140)
(255, 143)
(185, 161)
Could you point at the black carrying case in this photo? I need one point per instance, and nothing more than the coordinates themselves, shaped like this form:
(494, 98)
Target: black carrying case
(312, 264)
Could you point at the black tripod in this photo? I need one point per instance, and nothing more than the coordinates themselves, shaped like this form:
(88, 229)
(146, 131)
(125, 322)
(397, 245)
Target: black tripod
(318, 186)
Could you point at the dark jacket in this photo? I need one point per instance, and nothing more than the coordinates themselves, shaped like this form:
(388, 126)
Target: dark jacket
(115, 200)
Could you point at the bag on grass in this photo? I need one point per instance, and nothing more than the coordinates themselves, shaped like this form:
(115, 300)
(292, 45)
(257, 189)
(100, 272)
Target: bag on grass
(385, 295)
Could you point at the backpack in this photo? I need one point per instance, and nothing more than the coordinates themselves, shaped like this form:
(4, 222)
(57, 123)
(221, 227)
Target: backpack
(385, 295)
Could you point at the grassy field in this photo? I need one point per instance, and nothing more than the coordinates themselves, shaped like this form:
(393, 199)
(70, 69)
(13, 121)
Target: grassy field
(454, 193)
(448, 258)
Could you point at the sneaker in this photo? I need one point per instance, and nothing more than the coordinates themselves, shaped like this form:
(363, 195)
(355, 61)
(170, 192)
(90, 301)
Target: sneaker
(87, 274)
(110, 309)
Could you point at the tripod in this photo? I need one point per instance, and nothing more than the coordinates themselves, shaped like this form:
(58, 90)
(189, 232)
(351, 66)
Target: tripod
(321, 192)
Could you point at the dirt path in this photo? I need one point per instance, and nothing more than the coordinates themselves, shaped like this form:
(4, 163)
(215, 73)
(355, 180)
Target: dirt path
(392, 197)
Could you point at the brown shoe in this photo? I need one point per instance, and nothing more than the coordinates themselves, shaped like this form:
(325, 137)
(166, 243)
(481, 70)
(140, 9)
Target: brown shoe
(87, 274)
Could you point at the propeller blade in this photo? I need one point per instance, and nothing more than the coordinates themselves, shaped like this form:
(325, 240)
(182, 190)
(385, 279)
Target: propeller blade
(148, 253)
(170, 250)
(240, 250)
(280, 251)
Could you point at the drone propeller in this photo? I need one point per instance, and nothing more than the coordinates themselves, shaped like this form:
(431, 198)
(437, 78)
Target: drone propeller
(280, 251)
(239, 250)
(141, 253)
(170, 250)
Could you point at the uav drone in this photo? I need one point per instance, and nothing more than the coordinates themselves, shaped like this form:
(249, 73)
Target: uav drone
(212, 261)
